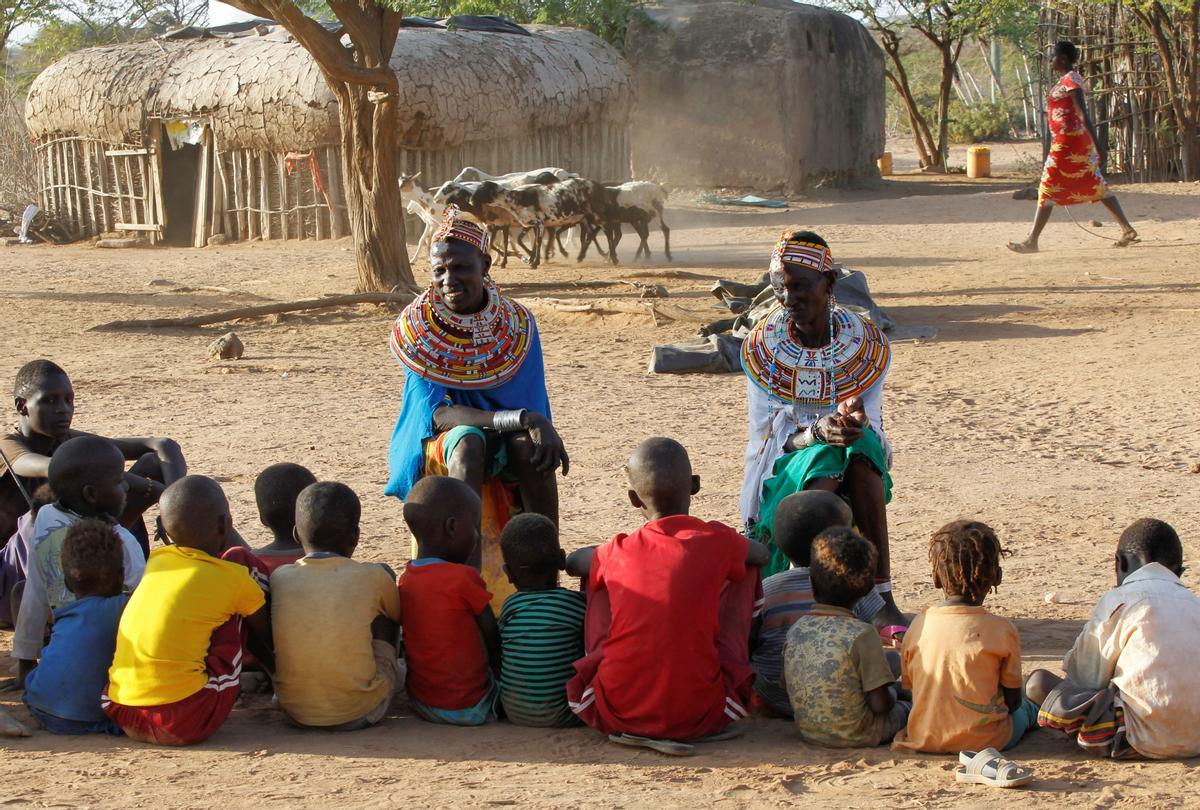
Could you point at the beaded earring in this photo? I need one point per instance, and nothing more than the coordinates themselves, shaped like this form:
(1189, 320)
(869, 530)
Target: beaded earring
(829, 364)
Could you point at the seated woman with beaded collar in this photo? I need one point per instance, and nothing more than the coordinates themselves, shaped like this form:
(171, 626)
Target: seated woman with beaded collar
(815, 388)
(475, 405)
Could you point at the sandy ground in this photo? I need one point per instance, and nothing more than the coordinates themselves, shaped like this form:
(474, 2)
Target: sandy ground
(1058, 402)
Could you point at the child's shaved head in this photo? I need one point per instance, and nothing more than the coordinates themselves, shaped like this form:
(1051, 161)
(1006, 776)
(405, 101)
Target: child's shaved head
(87, 474)
(276, 490)
(443, 514)
(93, 562)
(1149, 540)
(327, 515)
(33, 375)
(195, 514)
(800, 517)
(660, 477)
(532, 554)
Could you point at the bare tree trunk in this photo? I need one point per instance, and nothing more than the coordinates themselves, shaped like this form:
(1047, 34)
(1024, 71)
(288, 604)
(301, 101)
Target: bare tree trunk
(373, 199)
(362, 80)
(922, 137)
(945, 88)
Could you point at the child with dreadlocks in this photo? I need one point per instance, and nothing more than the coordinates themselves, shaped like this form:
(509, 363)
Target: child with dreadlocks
(963, 663)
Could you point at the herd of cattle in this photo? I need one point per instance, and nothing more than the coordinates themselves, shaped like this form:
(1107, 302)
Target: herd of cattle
(544, 205)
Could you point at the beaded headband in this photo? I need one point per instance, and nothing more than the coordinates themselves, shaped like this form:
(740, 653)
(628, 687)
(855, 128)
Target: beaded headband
(458, 224)
(805, 254)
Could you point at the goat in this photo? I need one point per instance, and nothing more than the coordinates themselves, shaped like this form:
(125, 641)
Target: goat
(423, 206)
(638, 203)
(542, 177)
(551, 209)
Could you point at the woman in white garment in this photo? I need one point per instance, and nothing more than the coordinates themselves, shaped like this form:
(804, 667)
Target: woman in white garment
(816, 374)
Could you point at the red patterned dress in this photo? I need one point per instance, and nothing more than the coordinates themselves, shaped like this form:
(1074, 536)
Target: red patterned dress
(1072, 171)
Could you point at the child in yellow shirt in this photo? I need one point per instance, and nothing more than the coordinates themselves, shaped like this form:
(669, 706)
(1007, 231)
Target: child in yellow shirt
(175, 674)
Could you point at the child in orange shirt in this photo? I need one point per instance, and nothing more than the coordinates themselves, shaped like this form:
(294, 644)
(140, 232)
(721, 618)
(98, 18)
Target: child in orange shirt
(962, 663)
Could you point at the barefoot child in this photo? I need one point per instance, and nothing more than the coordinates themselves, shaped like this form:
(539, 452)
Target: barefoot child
(334, 620)
(669, 612)
(451, 641)
(45, 404)
(275, 491)
(841, 687)
(88, 475)
(541, 626)
(1131, 682)
(962, 663)
(788, 595)
(175, 674)
(63, 691)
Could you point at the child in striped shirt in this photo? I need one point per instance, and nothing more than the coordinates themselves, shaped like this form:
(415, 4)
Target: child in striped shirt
(541, 626)
(788, 595)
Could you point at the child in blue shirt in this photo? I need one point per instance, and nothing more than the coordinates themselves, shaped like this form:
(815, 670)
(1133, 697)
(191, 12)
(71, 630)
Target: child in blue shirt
(63, 690)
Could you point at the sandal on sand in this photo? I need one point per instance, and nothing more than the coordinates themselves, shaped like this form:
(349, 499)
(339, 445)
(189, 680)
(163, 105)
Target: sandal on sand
(989, 767)
(893, 635)
(1021, 247)
(1127, 239)
(670, 747)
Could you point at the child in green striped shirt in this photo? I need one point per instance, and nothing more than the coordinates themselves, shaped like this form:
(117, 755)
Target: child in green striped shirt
(541, 626)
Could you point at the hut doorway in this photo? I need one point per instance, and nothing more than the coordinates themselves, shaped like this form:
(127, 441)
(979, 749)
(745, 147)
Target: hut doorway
(182, 157)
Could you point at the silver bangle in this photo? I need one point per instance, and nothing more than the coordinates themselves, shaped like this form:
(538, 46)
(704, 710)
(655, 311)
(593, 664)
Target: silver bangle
(508, 421)
(815, 437)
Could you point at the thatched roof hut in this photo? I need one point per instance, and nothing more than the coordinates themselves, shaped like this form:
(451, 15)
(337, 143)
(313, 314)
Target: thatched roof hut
(503, 102)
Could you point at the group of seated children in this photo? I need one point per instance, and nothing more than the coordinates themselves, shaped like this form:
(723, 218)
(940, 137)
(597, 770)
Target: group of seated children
(672, 640)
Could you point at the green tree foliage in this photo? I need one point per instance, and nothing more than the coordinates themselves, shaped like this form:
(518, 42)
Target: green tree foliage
(69, 25)
(15, 13)
(607, 19)
(946, 25)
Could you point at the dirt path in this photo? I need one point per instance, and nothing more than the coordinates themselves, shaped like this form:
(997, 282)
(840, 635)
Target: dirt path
(1058, 402)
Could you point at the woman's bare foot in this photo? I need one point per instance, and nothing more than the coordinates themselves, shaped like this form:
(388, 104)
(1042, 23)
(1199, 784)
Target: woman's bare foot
(1023, 247)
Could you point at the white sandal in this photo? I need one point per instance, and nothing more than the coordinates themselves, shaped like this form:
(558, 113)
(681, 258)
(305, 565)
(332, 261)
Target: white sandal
(989, 767)
(670, 747)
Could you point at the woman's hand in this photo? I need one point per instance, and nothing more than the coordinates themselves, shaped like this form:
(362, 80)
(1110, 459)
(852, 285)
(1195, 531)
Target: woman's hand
(837, 430)
(548, 450)
(853, 411)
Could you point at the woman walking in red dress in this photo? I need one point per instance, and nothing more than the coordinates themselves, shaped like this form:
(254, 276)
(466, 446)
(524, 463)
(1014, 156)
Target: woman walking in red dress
(1072, 171)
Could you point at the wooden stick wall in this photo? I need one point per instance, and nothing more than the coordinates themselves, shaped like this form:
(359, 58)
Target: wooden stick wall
(93, 187)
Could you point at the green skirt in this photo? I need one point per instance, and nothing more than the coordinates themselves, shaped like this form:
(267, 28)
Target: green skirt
(794, 471)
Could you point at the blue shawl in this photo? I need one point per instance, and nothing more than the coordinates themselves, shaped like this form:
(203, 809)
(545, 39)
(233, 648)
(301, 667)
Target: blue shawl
(406, 454)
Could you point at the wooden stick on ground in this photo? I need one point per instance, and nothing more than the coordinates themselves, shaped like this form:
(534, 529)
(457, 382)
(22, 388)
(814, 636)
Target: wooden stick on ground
(254, 312)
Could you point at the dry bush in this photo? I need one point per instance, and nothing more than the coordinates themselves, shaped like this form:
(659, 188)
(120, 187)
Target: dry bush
(18, 166)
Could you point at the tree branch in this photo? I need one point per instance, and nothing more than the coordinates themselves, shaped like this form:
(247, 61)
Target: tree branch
(325, 46)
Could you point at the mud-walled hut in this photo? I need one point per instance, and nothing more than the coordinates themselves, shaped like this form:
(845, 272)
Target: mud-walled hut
(233, 132)
(768, 95)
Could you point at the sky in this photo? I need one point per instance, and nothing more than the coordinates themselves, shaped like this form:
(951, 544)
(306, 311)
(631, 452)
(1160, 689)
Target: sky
(219, 13)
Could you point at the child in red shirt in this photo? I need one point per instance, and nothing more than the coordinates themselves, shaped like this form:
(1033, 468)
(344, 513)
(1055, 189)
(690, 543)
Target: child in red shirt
(451, 640)
(275, 491)
(669, 614)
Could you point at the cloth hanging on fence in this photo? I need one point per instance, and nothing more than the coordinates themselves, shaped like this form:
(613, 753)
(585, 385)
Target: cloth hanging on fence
(293, 159)
(184, 132)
